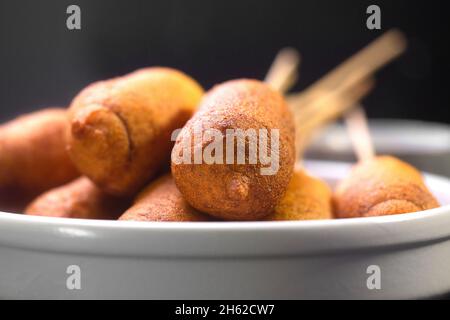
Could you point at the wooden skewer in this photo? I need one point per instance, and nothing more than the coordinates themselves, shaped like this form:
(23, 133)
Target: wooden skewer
(283, 74)
(336, 92)
(347, 75)
(334, 105)
(327, 107)
(359, 133)
(331, 108)
(371, 58)
(313, 107)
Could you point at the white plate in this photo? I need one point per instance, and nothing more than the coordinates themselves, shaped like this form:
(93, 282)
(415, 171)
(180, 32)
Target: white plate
(230, 260)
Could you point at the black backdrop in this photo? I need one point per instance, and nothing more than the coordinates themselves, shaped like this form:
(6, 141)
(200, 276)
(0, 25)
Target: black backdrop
(42, 63)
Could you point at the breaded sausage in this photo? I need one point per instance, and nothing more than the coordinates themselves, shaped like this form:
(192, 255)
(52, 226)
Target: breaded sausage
(162, 201)
(33, 156)
(121, 128)
(306, 198)
(381, 186)
(234, 190)
(78, 199)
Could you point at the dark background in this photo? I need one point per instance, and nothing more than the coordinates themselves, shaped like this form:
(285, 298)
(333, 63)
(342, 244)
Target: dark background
(44, 64)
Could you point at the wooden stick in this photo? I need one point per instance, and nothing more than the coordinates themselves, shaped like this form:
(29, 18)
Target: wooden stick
(283, 74)
(371, 58)
(334, 106)
(328, 106)
(359, 133)
(328, 109)
(329, 91)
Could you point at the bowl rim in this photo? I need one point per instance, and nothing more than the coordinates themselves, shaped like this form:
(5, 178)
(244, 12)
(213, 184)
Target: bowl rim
(382, 124)
(227, 239)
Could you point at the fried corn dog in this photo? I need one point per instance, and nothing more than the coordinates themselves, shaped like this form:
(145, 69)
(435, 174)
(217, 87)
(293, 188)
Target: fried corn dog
(121, 128)
(78, 199)
(306, 198)
(162, 201)
(33, 155)
(235, 191)
(383, 185)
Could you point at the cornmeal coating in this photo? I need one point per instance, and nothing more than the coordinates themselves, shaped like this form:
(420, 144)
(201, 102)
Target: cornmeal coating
(78, 199)
(33, 156)
(236, 191)
(162, 201)
(120, 135)
(306, 198)
(382, 186)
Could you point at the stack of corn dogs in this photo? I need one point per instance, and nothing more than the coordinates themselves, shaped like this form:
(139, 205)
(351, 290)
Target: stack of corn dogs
(115, 152)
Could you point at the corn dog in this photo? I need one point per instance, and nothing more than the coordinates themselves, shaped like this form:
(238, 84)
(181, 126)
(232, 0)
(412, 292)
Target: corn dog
(383, 185)
(78, 199)
(234, 191)
(33, 155)
(161, 201)
(306, 198)
(121, 128)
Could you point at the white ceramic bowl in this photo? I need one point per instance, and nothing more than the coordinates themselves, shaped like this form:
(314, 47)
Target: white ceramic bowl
(230, 260)
(426, 145)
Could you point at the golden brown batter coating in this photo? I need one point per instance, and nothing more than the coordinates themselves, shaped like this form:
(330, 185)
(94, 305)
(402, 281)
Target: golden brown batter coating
(33, 156)
(78, 199)
(382, 186)
(236, 191)
(121, 128)
(306, 198)
(162, 201)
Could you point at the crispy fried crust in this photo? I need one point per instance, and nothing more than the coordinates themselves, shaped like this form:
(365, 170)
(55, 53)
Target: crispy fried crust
(236, 191)
(121, 128)
(306, 198)
(78, 199)
(162, 201)
(382, 186)
(33, 155)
